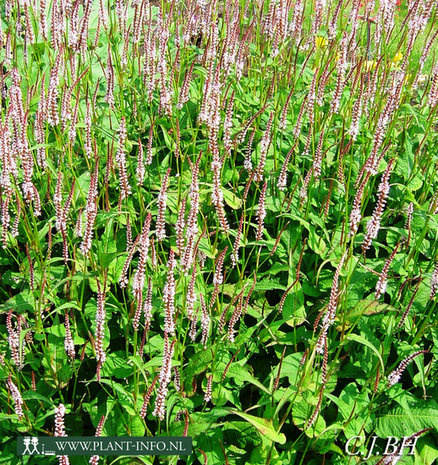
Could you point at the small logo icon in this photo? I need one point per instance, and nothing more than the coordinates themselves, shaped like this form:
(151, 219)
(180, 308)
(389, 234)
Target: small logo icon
(31, 441)
(26, 442)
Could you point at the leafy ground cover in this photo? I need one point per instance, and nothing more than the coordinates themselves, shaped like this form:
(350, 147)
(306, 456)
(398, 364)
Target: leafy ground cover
(219, 219)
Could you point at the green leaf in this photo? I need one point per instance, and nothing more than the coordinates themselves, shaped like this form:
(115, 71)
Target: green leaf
(231, 199)
(404, 422)
(20, 302)
(32, 395)
(290, 367)
(241, 373)
(57, 330)
(167, 139)
(267, 284)
(362, 340)
(415, 183)
(302, 411)
(137, 427)
(83, 184)
(316, 243)
(115, 365)
(294, 312)
(263, 425)
(426, 453)
(209, 442)
(197, 364)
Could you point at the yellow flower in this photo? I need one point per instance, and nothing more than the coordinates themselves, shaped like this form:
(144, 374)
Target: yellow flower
(422, 78)
(370, 65)
(321, 42)
(397, 58)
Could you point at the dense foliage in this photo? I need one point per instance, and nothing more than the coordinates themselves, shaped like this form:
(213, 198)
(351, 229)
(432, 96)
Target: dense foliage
(219, 219)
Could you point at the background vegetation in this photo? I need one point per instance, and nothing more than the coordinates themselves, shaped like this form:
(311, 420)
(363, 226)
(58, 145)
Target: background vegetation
(219, 219)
